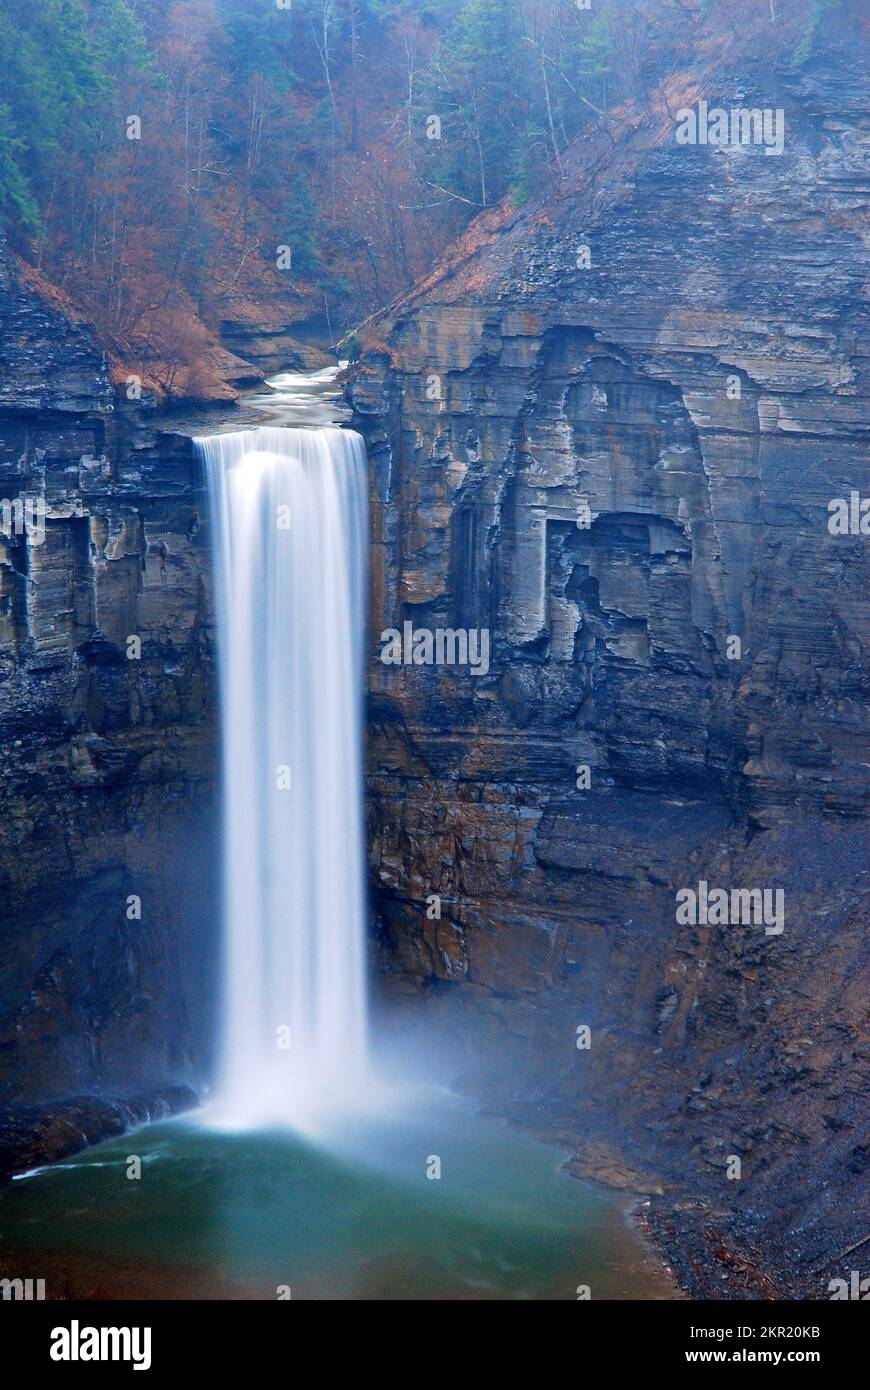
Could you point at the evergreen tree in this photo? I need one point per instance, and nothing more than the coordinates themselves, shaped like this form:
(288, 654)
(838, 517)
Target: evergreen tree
(479, 86)
(59, 61)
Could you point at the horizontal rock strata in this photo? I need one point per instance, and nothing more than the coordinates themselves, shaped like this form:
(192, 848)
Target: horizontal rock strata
(107, 721)
(608, 430)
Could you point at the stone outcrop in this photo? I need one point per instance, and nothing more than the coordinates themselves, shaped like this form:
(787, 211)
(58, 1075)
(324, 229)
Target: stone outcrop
(107, 746)
(33, 1135)
(608, 429)
(273, 337)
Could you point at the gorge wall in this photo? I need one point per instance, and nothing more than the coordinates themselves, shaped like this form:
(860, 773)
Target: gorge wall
(107, 763)
(618, 469)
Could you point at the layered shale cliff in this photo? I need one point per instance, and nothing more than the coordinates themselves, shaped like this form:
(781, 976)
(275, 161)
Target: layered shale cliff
(608, 429)
(107, 723)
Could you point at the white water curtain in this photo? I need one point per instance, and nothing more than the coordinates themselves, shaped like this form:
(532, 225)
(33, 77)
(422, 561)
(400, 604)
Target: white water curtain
(288, 508)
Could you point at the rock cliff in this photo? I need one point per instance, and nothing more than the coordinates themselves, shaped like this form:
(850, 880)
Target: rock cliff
(608, 429)
(107, 727)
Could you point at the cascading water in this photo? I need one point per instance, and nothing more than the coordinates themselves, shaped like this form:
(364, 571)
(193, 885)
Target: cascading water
(289, 512)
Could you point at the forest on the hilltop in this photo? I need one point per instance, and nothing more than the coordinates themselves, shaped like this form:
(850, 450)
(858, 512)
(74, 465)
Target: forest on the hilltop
(169, 163)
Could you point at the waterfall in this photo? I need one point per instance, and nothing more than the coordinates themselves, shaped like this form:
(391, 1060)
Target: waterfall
(288, 508)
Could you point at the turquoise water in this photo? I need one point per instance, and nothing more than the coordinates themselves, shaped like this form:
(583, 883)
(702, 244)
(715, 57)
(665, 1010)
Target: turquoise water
(253, 1215)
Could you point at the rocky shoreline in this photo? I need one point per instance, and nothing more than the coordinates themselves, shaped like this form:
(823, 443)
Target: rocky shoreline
(32, 1136)
(712, 1251)
(707, 1261)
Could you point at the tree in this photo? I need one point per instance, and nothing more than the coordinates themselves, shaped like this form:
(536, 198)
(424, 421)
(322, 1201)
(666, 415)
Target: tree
(480, 102)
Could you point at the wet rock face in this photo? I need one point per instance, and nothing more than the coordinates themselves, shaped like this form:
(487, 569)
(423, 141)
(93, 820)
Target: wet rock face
(107, 729)
(32, 1135)
(624, 473)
